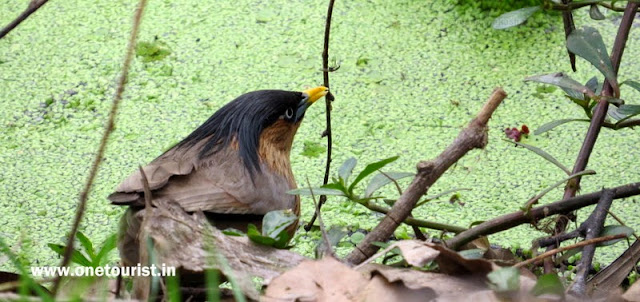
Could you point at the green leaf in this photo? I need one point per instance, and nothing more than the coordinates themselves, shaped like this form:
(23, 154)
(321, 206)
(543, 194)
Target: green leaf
(25, 276)
(76, 256)
(514, 18)
(255, 236)
(357, 237)
(614, 230)
(506, 279)
(624, 112)
(588, 44)
(594, 13)
(614, 114)
(86, 243)
(107, 246)
(548, 284)
(594, 85)
(544, 155)
(635, 85)
(370, 168)
(274, 225)
(382, 180)
(629, 109)
(472, 253)
(575, 96)
(347, 167)
(550, 125)
(173, 288)
(334, 234)
(233, 232)
(316, 192)
(334, 186)
(563, 81)
(275, 222)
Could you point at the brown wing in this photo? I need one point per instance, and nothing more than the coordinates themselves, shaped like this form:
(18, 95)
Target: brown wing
(218, 184)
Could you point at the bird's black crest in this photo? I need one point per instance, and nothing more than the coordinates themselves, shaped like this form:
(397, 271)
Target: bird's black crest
(243, 118)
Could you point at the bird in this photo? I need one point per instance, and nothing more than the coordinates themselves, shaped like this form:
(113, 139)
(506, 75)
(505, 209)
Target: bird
(235, 167)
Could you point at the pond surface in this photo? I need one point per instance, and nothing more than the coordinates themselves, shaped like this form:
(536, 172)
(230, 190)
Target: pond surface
(412, 74)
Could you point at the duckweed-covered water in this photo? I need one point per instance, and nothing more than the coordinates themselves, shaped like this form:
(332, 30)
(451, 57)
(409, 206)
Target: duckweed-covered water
(412, 73)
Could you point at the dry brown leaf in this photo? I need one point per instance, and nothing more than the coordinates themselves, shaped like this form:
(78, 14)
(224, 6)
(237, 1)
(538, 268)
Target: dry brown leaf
(478, 243)
(633, 293)
(452, 263)
(444, 286)
(501, 256)
(379, 289)
(416, 253)
(322, 280)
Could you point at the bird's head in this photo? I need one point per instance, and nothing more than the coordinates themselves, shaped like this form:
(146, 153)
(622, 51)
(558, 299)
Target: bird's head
(260, 125)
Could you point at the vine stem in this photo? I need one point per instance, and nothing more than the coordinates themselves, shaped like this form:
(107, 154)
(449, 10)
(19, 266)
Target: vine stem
(329, 98)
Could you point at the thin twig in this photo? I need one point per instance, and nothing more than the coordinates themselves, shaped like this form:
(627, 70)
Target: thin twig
(34, 5)
(323, 230)
(327, 100)
(517, 218)
(103, 143)
(568, 247)
(547, 241)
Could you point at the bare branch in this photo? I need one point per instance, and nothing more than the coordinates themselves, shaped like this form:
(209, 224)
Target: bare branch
(511, 220)
(34, 5)
(593, 227)
(568, 247)
(472, 137)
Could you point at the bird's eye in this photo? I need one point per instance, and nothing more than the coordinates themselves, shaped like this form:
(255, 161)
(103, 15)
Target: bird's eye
(289, 113)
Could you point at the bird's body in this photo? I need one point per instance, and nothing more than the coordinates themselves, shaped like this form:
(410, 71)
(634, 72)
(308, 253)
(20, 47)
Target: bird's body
(235, 167)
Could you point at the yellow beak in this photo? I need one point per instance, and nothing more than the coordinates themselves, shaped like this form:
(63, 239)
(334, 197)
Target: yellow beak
(315, 93)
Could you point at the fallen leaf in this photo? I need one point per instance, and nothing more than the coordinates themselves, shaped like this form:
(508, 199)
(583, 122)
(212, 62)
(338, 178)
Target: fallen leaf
(416, 253)
(322, 280)
(452, 263)
(633, 293)
(380, 289)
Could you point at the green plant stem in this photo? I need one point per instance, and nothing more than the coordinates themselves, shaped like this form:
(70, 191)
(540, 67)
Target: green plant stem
(103, 143)
(416, 222)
